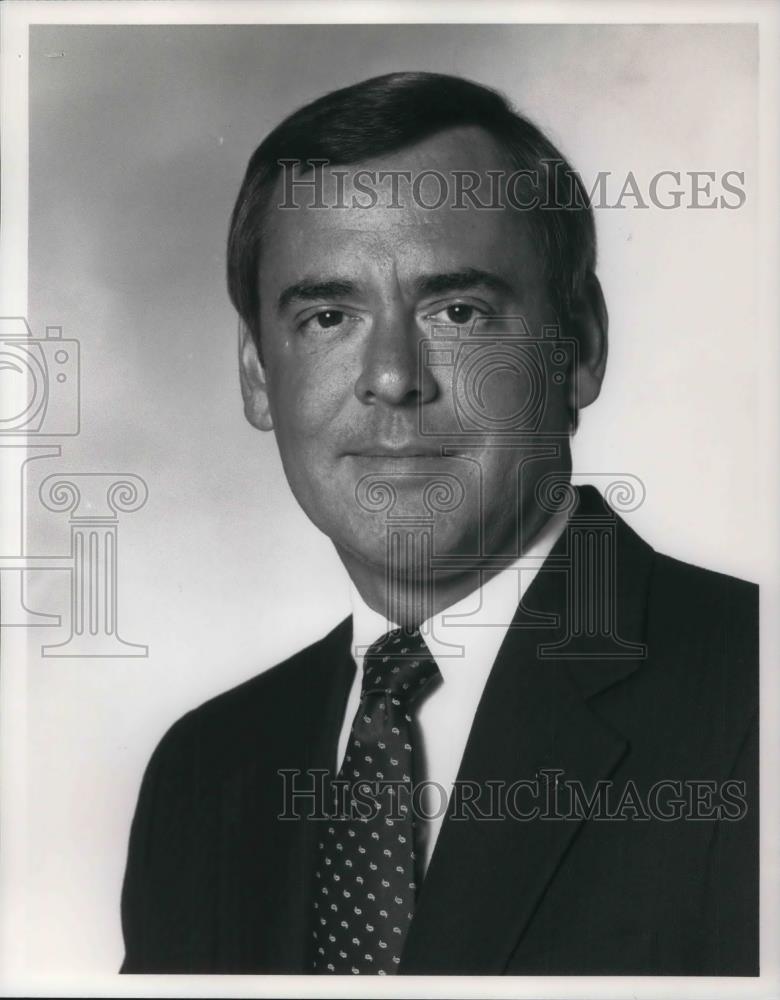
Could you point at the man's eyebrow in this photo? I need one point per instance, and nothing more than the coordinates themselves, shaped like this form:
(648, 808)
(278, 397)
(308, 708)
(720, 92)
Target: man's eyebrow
(309, 291)
(453, 281)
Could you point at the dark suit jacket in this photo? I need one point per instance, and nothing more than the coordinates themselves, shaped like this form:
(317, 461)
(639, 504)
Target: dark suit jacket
(215, 882)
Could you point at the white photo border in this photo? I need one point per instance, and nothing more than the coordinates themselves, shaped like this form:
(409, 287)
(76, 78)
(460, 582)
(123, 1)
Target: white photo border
(17, 17)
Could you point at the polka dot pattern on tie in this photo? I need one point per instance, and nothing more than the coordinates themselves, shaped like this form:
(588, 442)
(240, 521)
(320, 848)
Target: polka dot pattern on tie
(365, 887)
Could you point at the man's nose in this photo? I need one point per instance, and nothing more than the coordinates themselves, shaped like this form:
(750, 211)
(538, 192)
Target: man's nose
(391, 371)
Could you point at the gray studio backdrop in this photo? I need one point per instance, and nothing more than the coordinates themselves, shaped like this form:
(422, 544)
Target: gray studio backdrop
(138, 141)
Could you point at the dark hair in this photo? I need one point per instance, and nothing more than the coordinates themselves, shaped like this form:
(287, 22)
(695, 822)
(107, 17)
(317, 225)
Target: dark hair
(388, 113)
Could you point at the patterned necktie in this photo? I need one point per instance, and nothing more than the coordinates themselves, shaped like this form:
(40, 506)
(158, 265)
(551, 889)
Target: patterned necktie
(365, 883)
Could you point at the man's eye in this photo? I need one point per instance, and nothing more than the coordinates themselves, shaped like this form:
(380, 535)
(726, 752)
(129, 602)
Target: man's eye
(457, 315)
(327, 318)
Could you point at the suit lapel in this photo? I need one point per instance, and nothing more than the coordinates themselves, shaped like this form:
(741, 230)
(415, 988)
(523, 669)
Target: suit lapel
(486, 878)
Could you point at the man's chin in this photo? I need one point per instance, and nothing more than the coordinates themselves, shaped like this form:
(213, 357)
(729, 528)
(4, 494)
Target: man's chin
(408, 543)
(409, 488)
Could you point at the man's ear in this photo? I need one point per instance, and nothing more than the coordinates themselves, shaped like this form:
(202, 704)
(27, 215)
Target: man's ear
(589, 323)
(254, 387)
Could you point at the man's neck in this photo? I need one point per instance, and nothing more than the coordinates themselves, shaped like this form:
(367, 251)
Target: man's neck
(409, 595)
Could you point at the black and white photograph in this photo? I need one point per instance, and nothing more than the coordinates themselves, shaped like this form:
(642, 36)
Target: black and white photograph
(389, 434)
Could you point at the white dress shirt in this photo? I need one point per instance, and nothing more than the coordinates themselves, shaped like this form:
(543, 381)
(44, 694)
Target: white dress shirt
(464, 639)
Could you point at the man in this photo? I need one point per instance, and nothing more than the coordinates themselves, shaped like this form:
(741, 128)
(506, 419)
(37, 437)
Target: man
(543, 732)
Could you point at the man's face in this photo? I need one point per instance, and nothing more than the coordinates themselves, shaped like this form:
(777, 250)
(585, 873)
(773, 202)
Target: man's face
(348, 298)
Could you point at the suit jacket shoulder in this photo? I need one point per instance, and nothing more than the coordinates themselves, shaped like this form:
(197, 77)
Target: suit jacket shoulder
(257, 709)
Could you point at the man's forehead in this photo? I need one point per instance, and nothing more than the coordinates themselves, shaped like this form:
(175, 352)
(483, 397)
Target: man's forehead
(383, 206)
(396, 245)
(414, 177)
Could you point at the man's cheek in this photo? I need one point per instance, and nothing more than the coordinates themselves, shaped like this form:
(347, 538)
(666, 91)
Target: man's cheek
(556, 411)
(296, 399)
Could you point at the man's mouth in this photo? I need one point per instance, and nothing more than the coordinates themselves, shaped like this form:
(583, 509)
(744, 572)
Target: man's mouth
(396, 451)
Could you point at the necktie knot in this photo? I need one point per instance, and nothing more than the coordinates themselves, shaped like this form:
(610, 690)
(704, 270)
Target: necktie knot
(399, 664)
